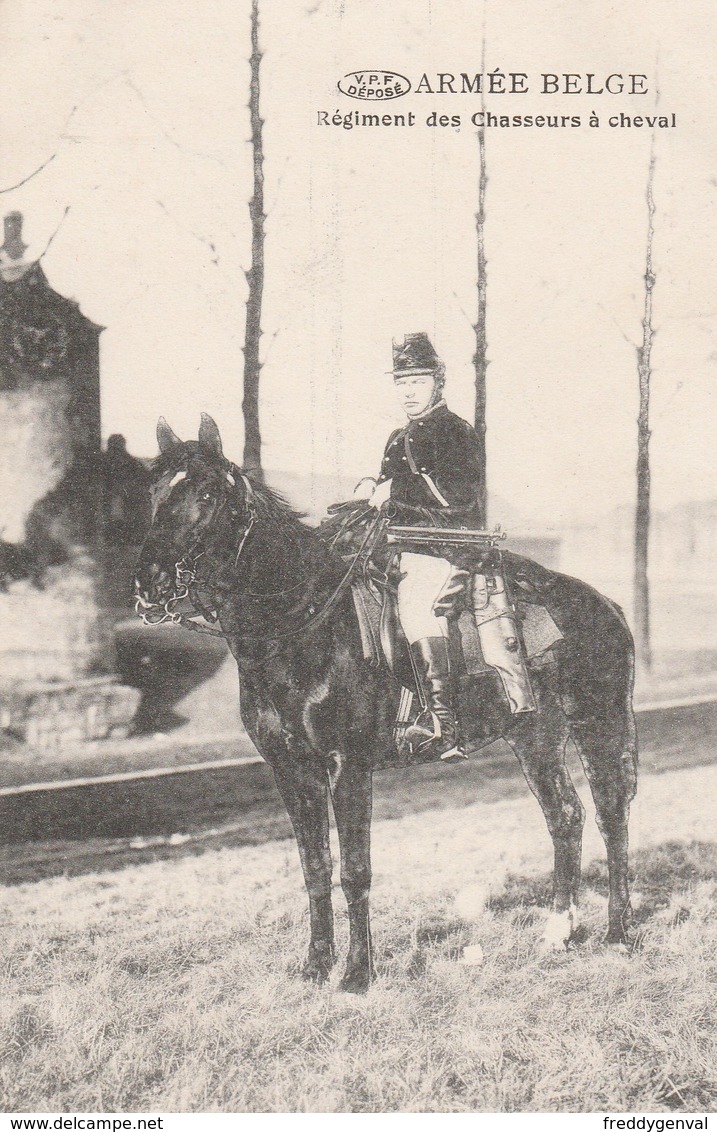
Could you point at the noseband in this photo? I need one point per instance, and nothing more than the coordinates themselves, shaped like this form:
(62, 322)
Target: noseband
(185, 573)
(187, 586)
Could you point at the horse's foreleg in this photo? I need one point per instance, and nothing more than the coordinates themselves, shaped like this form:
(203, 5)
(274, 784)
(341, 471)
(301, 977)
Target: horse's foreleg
(539, 743)
(304, 791)
(351, 791)
(608, 751)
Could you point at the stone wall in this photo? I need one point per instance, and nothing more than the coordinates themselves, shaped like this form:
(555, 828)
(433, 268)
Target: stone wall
(56, 643)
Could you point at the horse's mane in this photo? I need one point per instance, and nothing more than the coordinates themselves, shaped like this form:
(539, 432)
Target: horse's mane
(270, 505)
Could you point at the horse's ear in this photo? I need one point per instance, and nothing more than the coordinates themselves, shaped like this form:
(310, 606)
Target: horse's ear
(166, 438)
(209, 438)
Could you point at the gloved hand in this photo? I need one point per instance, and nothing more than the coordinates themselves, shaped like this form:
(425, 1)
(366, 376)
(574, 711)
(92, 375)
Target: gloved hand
(381, 493)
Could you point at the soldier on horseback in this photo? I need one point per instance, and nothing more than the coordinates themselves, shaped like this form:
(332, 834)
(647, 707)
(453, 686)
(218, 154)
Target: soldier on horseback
(431, 472)
(323, 718)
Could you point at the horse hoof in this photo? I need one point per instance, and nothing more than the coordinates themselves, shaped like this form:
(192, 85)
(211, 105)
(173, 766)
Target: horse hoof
(472, 955)
(318, 965)
(621, 933)
(313, 973)
(559, 929)
(619, 941)
(617, 946)
(356, 981)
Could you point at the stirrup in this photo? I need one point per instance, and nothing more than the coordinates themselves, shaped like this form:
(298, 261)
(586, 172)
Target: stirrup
(429, 738)
(455, 755)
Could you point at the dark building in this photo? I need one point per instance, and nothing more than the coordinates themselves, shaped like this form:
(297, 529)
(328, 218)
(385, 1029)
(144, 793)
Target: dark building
(56, 651)
(49, 409)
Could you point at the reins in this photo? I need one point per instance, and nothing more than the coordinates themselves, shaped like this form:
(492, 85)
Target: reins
(187, 586)
(185, 573)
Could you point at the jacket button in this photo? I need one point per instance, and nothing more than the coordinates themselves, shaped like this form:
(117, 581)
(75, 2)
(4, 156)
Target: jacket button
(404, 457)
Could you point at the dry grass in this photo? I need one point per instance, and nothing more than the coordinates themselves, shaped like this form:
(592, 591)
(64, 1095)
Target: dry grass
(172, 985)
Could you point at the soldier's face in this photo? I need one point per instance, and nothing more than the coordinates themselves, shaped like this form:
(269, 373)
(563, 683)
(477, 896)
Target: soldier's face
(415, 393)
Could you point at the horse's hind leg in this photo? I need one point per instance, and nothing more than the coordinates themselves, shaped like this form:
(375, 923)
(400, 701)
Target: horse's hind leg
(539, 743)
(608, 750)
(351, 792)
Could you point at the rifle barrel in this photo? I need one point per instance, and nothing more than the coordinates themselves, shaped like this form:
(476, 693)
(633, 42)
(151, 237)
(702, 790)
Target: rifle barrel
(441, 534)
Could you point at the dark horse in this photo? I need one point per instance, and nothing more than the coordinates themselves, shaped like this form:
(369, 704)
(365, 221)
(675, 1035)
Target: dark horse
(322, 717)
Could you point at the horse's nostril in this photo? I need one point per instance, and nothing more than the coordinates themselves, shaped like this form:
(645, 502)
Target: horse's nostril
(153, 582)
(158, 576)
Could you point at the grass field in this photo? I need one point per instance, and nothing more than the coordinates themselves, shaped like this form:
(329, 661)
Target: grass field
(171, 985)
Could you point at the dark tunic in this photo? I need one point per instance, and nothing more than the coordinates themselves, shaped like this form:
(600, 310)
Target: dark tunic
(436, 465)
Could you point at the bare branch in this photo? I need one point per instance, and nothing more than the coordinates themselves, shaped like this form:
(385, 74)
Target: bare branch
(279, 182)
(63, 135)
(11, 188)
(623, 333)
(272, 340)
(129, 81)
(195, 235)
(52, 237)
(87, 98)
(50, 159)
(463, 311)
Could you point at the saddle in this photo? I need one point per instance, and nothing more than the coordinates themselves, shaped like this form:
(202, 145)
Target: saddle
(383, 641)
(495, 602)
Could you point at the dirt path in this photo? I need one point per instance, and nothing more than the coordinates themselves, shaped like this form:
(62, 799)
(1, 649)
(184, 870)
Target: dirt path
(107, 826)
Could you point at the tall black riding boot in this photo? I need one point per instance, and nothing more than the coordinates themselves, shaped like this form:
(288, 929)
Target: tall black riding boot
(436, 730)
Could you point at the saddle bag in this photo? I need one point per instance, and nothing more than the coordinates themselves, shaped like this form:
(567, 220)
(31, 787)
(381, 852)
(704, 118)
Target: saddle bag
(499, 636)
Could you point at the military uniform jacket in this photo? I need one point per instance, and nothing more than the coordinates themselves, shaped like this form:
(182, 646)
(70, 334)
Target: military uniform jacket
(436, 465)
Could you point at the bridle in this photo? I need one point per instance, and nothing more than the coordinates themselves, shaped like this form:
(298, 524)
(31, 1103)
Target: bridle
(204, 619)
(185, 572)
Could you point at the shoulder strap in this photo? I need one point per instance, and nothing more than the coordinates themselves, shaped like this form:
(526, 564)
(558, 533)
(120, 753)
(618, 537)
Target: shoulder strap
(409, 455)
(424, 475)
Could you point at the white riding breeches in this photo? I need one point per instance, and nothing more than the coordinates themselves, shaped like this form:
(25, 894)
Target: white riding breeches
(422, 579)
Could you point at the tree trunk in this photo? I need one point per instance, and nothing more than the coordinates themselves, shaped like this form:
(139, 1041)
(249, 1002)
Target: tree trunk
(255, 275)
(642, 509)
(480, 358)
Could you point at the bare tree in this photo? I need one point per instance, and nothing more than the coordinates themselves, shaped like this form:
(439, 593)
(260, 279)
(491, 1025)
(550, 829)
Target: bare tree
(642, 508)
(255, 275)
(480, 357)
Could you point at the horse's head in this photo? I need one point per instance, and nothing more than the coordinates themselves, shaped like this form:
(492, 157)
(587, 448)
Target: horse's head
(200, 502)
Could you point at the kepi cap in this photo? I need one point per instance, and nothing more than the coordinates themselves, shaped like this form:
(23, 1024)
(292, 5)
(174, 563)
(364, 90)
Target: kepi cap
(415, 355)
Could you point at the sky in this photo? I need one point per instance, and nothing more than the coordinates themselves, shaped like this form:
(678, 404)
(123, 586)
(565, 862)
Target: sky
(142, 120)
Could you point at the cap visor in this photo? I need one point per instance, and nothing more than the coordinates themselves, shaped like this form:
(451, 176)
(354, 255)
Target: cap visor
(418, 371)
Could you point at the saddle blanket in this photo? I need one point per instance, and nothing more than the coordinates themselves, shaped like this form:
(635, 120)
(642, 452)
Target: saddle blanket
(538, 628)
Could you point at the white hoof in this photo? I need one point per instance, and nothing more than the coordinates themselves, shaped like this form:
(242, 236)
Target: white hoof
(559, 928)
(472, 955)
(618, 949)
(470, 901)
